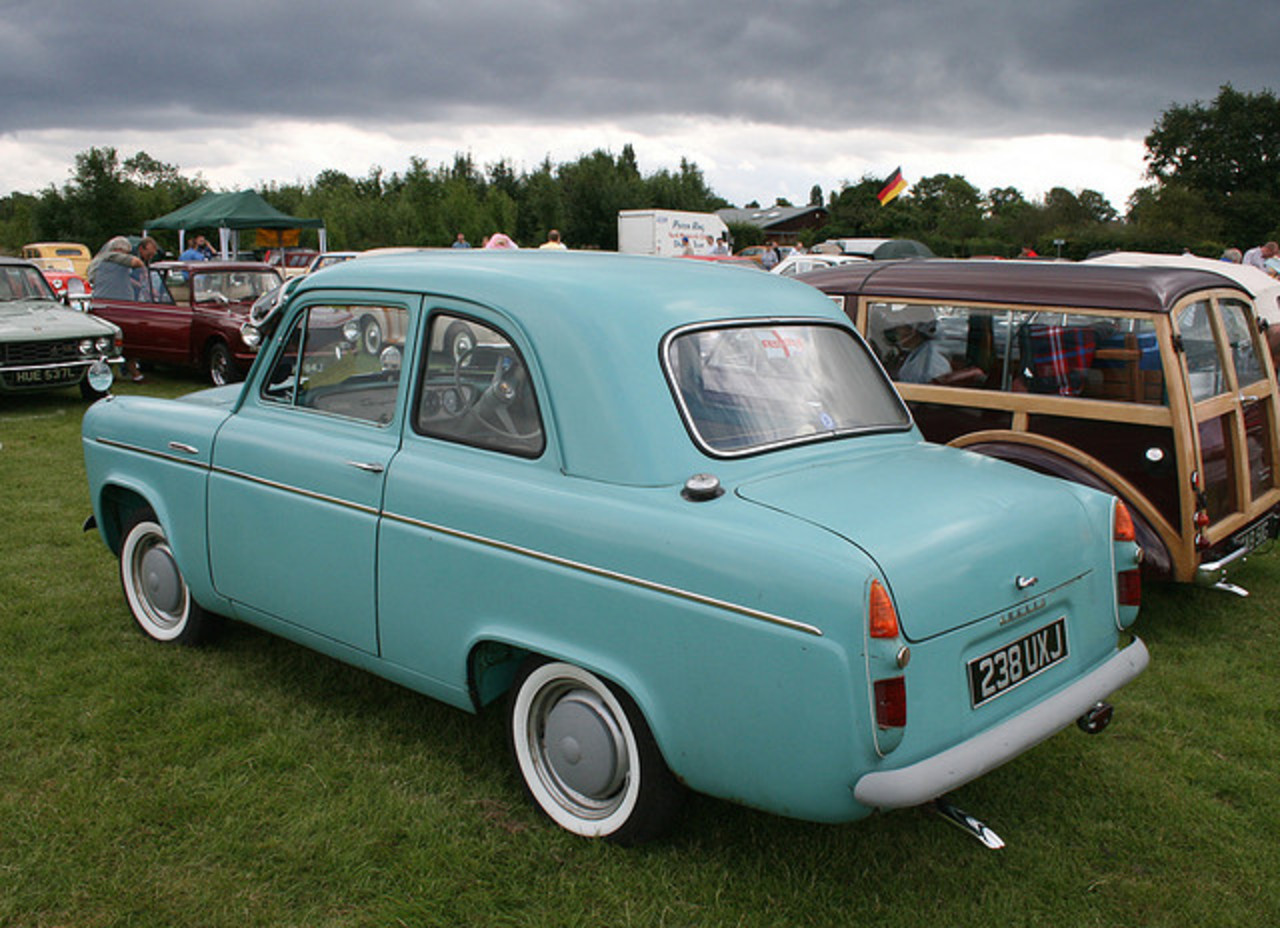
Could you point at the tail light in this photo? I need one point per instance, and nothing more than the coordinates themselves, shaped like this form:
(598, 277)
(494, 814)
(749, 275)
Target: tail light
(883, 617)
(1128, 581)
(1124, 530)
(888, 657)
(1129, 587)
(891, 702)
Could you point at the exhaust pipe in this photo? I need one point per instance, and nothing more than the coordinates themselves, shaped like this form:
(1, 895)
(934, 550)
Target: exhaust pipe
(1096, 719)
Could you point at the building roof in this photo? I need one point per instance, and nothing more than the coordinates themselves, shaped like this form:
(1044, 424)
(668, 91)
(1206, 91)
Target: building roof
(776, 217)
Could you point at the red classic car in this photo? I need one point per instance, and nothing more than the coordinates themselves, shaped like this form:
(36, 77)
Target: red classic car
(187, 313)
(61, 275)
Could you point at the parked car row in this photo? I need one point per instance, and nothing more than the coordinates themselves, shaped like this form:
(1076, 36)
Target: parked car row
(696, 527)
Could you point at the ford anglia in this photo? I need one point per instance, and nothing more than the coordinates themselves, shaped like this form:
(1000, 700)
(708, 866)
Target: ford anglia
(674, 513)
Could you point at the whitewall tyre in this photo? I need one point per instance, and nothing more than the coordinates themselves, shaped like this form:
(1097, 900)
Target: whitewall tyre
(586, 755)
(154, 587)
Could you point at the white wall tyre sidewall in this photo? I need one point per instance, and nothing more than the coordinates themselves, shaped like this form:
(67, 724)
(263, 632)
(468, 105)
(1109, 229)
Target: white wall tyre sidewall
(547, 796)
(157, 623)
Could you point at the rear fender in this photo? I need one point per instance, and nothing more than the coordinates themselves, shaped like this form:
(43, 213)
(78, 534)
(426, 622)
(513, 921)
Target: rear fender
(1057, 460)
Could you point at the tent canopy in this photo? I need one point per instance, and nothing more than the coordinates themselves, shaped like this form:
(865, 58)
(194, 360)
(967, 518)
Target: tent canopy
(242, 210)
(229, 213)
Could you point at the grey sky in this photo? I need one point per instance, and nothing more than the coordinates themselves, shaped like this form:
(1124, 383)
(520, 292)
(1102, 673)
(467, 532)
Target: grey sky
(959, 70)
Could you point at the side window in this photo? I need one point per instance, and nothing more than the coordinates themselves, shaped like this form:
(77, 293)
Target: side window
(1204, 365)
(954, 346)
(476, 389)
(326, 363)
(179, 284)
(1094, 357)
(1240, 342)
(1055, 353)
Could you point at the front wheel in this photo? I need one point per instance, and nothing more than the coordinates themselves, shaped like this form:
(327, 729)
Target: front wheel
(586, 755)
(222, 365)
(154, 587)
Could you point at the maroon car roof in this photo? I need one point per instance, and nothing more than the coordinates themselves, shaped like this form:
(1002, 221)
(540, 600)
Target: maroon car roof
(214, 265)
(1036, 283)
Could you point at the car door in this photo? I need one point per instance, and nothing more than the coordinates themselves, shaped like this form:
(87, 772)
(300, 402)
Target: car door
(472, 479)
(296, 490)
(155, 327)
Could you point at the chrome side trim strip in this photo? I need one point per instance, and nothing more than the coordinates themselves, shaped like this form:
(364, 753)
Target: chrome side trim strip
(151, 452)
(289, 488)
(610, 575)
(492, 543)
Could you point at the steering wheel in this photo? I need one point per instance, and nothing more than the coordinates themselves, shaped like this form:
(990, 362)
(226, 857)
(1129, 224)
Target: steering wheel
(491, 406)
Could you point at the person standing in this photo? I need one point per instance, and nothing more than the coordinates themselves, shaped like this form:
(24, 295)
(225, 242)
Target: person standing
(461, 242)
(198, 250)
(553, 242)
(1257, 256)
(120, 273)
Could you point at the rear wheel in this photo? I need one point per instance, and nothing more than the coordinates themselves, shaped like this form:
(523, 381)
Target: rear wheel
(587, 756)
(154, 587)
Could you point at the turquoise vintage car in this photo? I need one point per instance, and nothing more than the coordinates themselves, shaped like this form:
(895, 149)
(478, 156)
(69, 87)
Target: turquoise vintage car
(676, 514)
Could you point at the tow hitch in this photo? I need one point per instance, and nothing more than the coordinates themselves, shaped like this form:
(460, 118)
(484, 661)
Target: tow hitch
(1096, 719)
(967, 823)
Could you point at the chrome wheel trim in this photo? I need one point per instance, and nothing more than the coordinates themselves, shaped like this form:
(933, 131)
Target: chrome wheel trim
(576, 749)
(371, 336)
(154, 587)
(219, 366)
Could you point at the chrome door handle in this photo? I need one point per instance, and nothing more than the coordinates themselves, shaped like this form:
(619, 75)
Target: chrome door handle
(372, 467)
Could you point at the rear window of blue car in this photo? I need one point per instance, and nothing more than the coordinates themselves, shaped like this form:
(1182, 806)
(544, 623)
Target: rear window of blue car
(750, 387)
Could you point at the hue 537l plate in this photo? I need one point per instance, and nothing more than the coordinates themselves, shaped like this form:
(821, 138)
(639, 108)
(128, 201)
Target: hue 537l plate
(999, 671)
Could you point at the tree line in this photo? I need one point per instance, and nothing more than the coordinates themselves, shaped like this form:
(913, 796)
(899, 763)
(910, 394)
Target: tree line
(1212, 168)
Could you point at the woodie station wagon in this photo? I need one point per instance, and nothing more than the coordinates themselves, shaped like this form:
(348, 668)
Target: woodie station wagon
(1152, 383)
(675, 513)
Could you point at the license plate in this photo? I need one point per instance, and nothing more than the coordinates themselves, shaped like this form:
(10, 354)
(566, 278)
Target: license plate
(1253, 536)
(42, 376)
(999, 671)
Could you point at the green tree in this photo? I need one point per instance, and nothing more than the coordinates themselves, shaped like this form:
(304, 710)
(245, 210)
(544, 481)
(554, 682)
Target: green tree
(948, 206)
(1228, 152)
(596, 187)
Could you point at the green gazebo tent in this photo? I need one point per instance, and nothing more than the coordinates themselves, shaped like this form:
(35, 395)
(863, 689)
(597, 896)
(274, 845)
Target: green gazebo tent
(230, 213)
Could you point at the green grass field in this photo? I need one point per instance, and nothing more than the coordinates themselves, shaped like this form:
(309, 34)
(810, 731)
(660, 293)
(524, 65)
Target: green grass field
(256, 783)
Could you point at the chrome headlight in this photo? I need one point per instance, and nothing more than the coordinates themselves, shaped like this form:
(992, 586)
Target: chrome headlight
(102, 344)
(251, 335)
(351, 331)
(86, 346)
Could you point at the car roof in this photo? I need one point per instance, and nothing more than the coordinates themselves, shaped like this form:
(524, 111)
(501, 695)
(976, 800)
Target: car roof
(1034, 283)
(10, 260)
(595, 321)
(1264, 288)
(212, 265)
(640, 295)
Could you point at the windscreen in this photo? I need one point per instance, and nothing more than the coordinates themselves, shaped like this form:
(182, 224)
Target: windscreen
(745, 388)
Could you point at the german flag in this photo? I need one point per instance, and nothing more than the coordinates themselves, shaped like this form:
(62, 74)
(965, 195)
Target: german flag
(892, 187)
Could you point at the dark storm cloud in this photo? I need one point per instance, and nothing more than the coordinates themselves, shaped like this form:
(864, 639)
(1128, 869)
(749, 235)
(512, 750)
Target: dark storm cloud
(973, 68)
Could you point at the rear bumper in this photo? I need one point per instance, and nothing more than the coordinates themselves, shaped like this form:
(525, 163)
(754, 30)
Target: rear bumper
(930, 778)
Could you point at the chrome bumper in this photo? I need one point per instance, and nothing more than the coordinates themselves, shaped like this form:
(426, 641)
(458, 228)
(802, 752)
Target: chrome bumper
(933, 776)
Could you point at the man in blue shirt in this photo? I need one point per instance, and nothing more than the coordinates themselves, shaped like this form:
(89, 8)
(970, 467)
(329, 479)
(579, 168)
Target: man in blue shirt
(198, 250)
